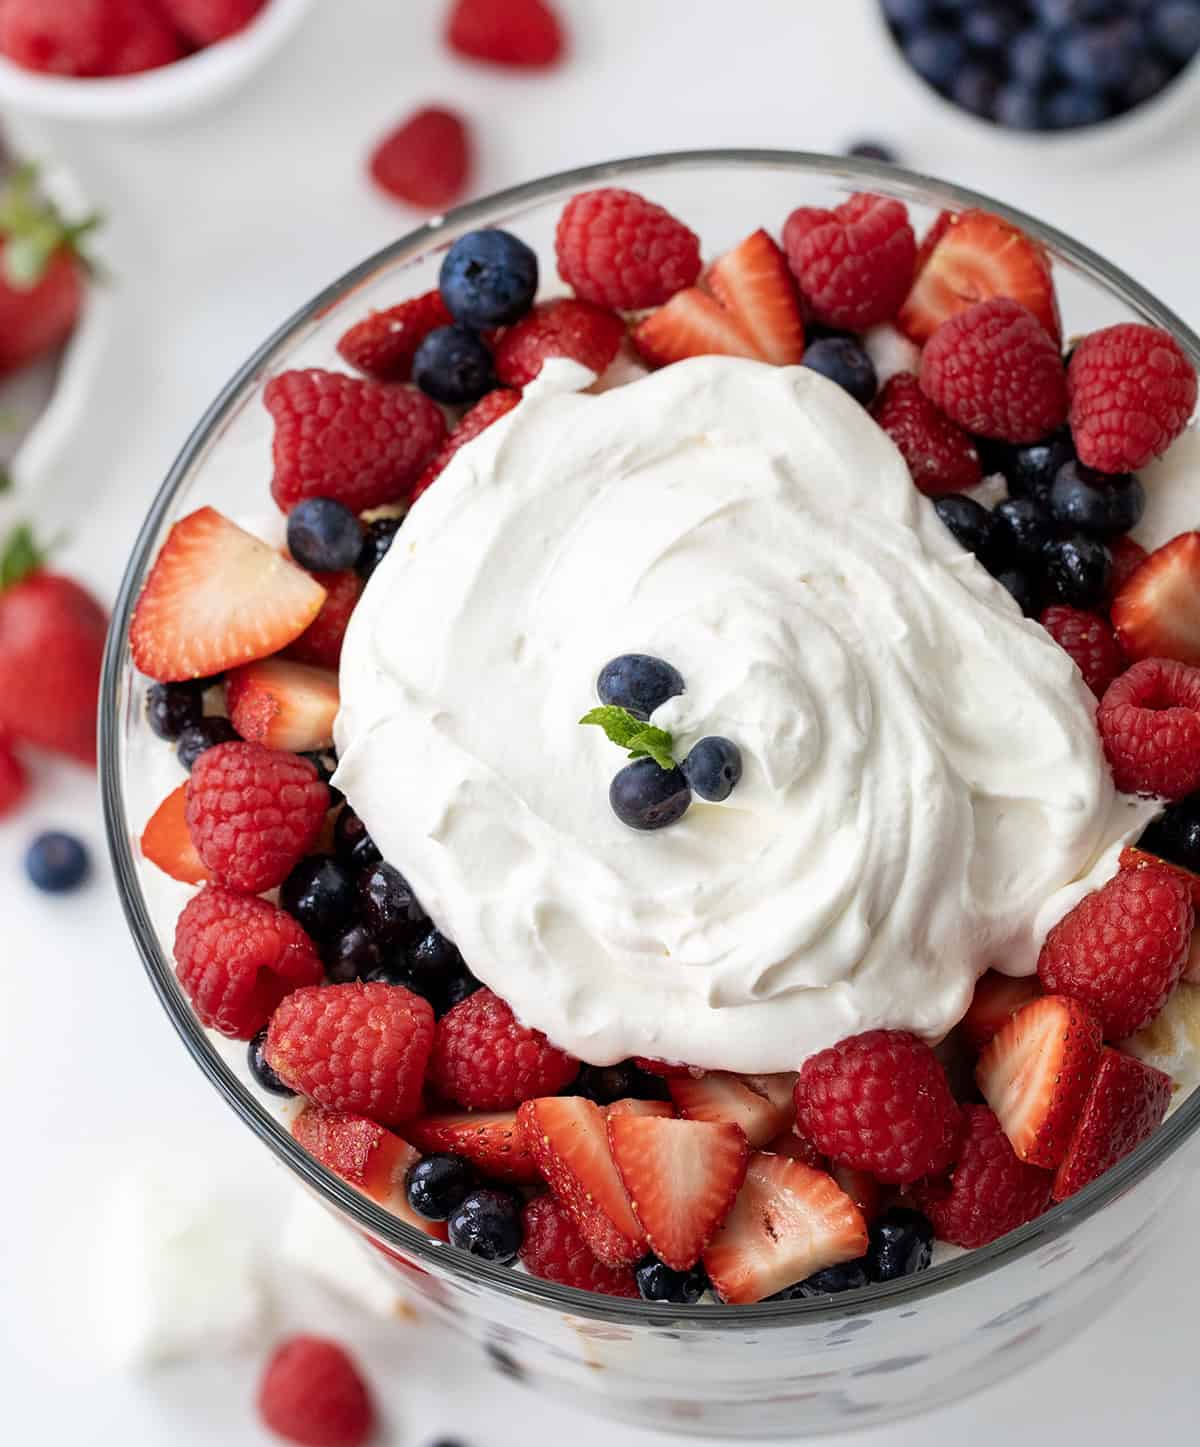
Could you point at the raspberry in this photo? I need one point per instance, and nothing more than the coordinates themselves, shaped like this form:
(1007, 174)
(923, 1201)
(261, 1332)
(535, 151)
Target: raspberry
(426, 161)
(855, 263)
(995, 371)
(1149, 721)
(587, 334)
(484, 1059)
(940, 456)
(237, 957)
(86, 37)
(1127, 558)
(487, 410)
(555, 1250)
(1090, 641)
(879, 1102)
(14, 781)
(1122, 949)
(525, 33)
(321, 641)
(356, 1047)
(357, 441)
(1133, 390)
(253, 813)
(619, 250)
(204, 22)
(312, 1393)
(384, 343)
(990, 1191)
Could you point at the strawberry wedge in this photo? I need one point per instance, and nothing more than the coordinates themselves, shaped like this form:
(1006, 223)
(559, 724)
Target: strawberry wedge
(755, 284)
(725, 1098)
(996, 1000)
(490, 1140)
(282, 704)
(691, 324)
(661, 1108)
(1157, 611)
(1126, 1103)
(167, 844)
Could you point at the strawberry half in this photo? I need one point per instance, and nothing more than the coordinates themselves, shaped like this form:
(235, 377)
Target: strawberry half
(217, 597)
(691, 324)
(789, 1220)
(725, 1098)
(282, 704)
(1126, 1103)
(1036, 1074)
(167, 843)
(490, 1140)
(996, 1000)
(661, 1108)
(681, 1176)
(755, 283)
(862, 1188)
(568, 1138)
(1157, 611)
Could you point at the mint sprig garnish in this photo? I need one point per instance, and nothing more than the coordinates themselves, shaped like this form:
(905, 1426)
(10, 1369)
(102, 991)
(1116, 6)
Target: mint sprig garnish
(642, 740)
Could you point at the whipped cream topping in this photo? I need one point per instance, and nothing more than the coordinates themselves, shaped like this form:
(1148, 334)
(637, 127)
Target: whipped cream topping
(922, 769)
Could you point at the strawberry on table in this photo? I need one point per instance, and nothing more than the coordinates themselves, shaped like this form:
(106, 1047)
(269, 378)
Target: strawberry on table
(426, 160)
(555, 1250)
(384, 343)
(580, 330)
(14, 781)
(854, 264)
(484, 1059)
(204, 22)
(1156, 611)
(312, 1393)
(1126, 1104)
(282, 704)
(619, 250)
(321, 642)
(1149, 721)
(726, 1099)
(996, 1000)
(526, 34)
(691, 324)
(491, 1140)
(487, 410)
(941, 457)
(753, 282)
(167, 843)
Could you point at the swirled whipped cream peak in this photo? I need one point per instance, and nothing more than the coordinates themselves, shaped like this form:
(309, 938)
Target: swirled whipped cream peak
(922, 773)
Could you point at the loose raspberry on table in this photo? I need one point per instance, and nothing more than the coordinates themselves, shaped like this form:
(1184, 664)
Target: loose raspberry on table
(940, 455)
(425, 161)
(619, 250)
(854, 264)
(312, 1393)
(384, 343)
(1123, 948)
(253, 813)
(236, 958)
(586, 333)
(879, 1102)
(356, 441)
(1090, 641)
(990, 1191)
(555, 1250)
(321, 641)
(1133, 390)
(484, 1059)
(994, 370)
(521, 33)
(487, 410)
(1149, 721)
(356, 1047)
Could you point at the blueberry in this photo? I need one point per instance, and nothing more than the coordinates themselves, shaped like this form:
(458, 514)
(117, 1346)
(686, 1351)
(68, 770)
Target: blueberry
(1149, 76)
(1175, 28)
(849, 1276)
(173, 707)
(1056, 14)
(1101, 504)
(354, 954)
(1031, 468)
(1077, 570)
(437, 1185)
(1067, 110)
(843, 360)
(199, 737)
(1100, 56)
(351, 842)
(646, 797)
(638, 683)
(57, 863)
(1022, 530)
(712, 768)
(1175, 834)
(873, 151)
(259, 1068)
(488, 1225)
(907, 13)
(453, 365)
(319, 895)
(975, 89)
(991, 26)
(936, 54)
(390, 910)
(606, 1083)
(901, 1243)
(435, 958)
(657, 1282)
(1019, 107)
(1031, 58)
(1023, 588)
(324, 535)
(971, 524)
(488, 278)
(380, 536)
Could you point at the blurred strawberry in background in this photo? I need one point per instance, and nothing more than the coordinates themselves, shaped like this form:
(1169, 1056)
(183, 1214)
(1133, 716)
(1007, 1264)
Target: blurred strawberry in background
(524, 33)
(426, 160)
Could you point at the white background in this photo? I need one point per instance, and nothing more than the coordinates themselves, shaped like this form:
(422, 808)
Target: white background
(220, 225)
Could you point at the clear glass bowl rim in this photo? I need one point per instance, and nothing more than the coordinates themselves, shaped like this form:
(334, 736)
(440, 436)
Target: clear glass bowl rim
(960, 1271)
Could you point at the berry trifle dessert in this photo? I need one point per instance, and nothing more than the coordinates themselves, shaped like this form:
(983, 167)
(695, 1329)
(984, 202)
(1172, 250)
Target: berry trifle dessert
(695, 791)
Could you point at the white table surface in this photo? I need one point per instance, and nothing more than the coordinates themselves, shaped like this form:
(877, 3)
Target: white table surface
(219, 227)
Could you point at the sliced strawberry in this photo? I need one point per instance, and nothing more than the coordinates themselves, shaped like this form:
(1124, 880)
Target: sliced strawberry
(217, 597)
(789, 1220)
(568, 1138)
(491, 1140)
(996, 1000)
(796, 1147)
(1126, 1104)
(1133, 857)
(662, 1108)
(682, 1177)
(691, 324)
(282, 704)
(780, 1088)
(974, 257)
(1036, 1074)
(663, 1068)
(722, 1097)
(755, 283)
(862, 1188)
(167, 843)
(1157, 612)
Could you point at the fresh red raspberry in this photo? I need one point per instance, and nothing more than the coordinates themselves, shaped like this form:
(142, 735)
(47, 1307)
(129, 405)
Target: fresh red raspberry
(586, 333)
(555, 1250)
(204, 22)
(879, 1102)
(1122, 949)
(14, 781)
(617, 249)
(523, 33)
(1090, 641)
(487, 410)
(384, 343)
(86, 37)
(994, 370)
(321, 641)
(356, 1047)
(148, 41)
(253, 813)
(1149, 721)
(854, 264)
(312, 1393)
(1127, 558)
(1133, 390)
(940, 455)
(357, 441)
(484, 1059)
(425, 161)
(237, 956)
(990, 1191)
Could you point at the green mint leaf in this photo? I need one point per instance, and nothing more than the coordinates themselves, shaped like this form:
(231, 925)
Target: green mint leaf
(618, 723)
(19, 555)
(6, 481)
(654, 742)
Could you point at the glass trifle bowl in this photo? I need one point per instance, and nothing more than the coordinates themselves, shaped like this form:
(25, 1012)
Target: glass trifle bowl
(787, 1368)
